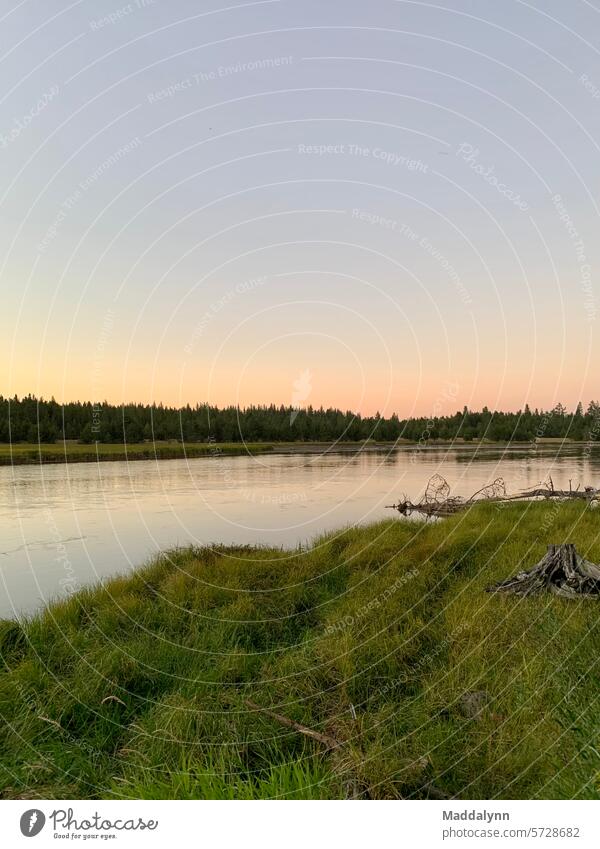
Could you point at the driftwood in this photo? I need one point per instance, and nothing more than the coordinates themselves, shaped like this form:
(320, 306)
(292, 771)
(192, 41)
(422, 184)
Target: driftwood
(437, 500)
(562, 571)
(547, 490)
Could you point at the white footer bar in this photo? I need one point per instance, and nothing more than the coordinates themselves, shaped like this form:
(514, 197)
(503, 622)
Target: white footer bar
(305, 825)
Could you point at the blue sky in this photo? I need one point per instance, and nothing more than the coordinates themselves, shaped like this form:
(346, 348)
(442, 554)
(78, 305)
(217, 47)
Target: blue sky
(203, 202)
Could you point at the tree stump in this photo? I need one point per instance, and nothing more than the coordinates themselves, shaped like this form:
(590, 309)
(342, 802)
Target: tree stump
(562, 571)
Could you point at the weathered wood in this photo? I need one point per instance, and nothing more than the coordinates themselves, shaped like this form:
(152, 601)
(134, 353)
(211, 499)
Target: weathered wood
(437, 500)
(561, 571)
(443, 509)
(328, 741)
(542, 492)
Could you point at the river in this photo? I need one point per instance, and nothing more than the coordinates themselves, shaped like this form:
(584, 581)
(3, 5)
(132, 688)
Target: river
(65, 526)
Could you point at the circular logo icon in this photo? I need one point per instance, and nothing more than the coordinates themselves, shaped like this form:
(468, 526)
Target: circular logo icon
(32, 822)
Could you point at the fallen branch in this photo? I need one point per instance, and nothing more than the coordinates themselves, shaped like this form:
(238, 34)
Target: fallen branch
(445, 509)
(437, 500)
(328, 741)
(542, 492)
(494, 491)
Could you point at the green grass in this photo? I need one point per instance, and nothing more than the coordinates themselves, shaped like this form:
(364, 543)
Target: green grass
(20, 453)
(377, 636)
(72, 452)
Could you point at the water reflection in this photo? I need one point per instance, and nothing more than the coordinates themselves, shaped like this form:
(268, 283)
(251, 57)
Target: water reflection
(67, 525)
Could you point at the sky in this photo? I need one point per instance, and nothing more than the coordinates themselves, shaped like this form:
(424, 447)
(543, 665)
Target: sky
(385, 206)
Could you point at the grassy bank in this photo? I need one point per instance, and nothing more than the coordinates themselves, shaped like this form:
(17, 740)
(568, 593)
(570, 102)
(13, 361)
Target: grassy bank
(29, 453)
(21, 453)
(73, 452)
(380, 637)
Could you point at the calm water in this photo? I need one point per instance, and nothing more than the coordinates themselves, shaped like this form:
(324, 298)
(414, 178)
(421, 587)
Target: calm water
(65, 526)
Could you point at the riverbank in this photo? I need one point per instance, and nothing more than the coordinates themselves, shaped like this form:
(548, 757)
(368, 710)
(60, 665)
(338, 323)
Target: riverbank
(73, 452)
(22, 453)
(381, 638)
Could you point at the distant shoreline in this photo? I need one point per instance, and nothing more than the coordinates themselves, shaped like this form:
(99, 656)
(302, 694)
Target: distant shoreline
(58, 453)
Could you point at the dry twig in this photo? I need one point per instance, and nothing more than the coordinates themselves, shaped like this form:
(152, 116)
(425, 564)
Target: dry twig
(328, 741)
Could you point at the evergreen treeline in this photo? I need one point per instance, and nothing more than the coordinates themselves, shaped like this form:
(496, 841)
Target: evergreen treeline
(30, 419)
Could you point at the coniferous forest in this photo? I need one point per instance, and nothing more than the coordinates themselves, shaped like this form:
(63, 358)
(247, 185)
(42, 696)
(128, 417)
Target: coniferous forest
(33, 420)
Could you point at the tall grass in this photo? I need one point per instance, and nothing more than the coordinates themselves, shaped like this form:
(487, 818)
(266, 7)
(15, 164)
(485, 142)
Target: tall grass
(382, 637)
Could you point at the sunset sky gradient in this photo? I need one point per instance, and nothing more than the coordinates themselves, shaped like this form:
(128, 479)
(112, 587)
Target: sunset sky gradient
(397, 201)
